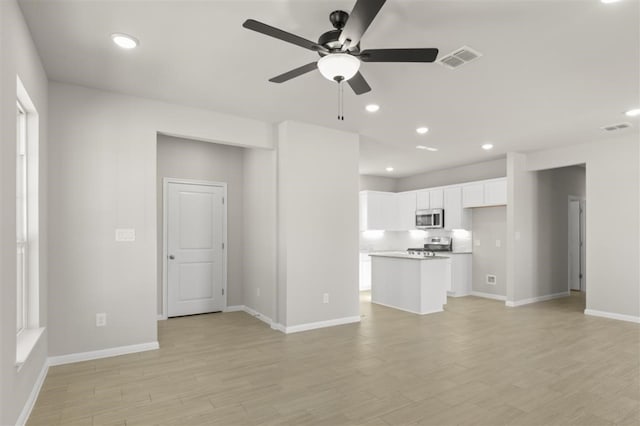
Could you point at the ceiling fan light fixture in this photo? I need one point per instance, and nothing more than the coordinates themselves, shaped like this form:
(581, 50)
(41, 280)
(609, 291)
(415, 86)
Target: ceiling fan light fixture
(633, 112)
(372, 107)
(338, 66)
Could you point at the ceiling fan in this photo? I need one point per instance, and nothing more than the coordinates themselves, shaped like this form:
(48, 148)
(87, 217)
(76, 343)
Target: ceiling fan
(339, 49)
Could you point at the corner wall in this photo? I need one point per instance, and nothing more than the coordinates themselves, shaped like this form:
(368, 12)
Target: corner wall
(102, 176)
(318, 224)
(18, 57)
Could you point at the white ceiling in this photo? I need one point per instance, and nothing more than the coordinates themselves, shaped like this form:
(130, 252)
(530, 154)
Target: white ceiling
(553, 72)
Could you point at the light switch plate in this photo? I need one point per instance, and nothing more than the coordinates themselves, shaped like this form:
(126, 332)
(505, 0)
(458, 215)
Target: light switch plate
(125, 235)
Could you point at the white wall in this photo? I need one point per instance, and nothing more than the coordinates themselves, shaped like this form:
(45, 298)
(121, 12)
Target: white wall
(377, 183)
(260, 239)
(103, 176)
(188, 159)
(318, 223)
(613, 209)
(19, 57)
(468, 173)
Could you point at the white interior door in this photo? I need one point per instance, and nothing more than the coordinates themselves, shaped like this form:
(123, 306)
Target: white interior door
(576, 246)
(195, 237)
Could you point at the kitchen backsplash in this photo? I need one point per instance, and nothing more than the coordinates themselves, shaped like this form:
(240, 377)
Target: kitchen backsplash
(402, 240)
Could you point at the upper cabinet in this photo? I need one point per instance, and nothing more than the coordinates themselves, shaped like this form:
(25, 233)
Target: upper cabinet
(390, 211)
(430, 199)
(377, 210)
(387, 211)
(485, 193)
(406, 213)
(455, 217)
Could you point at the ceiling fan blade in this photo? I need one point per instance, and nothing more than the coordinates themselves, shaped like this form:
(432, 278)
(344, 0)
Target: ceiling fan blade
(399, 55)
(274, 32)
(294, 73)
(359, 20)
(359, 84)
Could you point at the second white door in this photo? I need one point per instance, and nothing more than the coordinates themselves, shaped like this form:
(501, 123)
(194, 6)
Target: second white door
(195, 238)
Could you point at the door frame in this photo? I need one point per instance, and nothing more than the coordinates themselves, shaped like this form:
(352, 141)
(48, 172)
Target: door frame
(165, 241)
(582, 236)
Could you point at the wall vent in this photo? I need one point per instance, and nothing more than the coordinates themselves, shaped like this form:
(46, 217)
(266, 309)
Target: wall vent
(459, 57)
(613, 127)
(491, 279)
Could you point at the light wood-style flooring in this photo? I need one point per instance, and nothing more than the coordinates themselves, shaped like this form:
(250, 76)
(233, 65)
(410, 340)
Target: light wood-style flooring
(477, 363)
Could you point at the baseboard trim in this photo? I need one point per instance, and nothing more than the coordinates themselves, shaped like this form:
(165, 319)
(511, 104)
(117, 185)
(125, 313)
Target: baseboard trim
(453, 294)
(516, 303)
(612, 315)
(234, 308)
(161, 317)
(33, 396)
(102, 353)
(408, 310)
(320, 324)
(488, 295)
(258, 315)
(278, 327)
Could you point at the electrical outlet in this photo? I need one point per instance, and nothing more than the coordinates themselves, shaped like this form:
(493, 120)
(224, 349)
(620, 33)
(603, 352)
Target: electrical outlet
(491, 279)
(498, 243)
(325, 298)
(258, 292)
(101, 320)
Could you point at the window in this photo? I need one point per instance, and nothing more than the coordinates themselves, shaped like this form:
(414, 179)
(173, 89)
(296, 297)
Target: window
(21, 219)
(27, 227)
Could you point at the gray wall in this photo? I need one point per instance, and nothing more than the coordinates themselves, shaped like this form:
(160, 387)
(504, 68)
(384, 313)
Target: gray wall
(489, 225)
(467, 173)
(554, 188)
(18, 56)
(613, 208)
(377, 183)
(103, 176)
(187, 159)
(318, 223)
(260, 220)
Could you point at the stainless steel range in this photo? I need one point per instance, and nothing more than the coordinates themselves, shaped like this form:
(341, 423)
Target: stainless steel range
(432, 246)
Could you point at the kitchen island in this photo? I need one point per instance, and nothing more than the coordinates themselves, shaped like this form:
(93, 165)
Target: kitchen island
(411, 283)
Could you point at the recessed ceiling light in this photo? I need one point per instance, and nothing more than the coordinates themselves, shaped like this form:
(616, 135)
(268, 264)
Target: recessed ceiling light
(633, 112)
(428, 148)
(422, 130)
(487, 146)
(609, 1)
(389, 169)
(372, 107)
(124, 40)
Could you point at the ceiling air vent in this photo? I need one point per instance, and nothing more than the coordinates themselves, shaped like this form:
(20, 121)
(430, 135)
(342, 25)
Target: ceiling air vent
(459, 57)
(613, 127)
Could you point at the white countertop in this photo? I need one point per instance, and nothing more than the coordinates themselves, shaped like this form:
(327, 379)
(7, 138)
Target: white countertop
(404, 255)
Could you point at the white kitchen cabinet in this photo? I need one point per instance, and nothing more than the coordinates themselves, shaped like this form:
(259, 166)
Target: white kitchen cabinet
(495, 192)
(485, 193)
(405, 211)
(473, 195)
(455, 217)
(461, 274)
(436, 198)
(377, 210)
(423, 201)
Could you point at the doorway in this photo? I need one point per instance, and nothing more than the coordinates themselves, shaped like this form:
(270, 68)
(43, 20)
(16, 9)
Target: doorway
(577, 244)
(194, 259)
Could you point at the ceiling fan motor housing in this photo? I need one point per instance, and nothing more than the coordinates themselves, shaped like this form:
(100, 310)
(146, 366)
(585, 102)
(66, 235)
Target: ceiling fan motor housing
(330, 39)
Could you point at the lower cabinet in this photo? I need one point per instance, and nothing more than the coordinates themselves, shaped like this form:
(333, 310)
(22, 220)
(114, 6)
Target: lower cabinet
(461, 274)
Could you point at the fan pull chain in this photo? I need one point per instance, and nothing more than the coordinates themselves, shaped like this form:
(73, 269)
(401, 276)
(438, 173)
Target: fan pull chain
(339, 80)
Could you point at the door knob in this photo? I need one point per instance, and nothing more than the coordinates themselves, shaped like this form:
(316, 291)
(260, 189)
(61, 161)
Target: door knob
(171, 257)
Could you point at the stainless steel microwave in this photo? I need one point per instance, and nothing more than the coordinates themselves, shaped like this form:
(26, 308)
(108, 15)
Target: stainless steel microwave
(430, 219)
